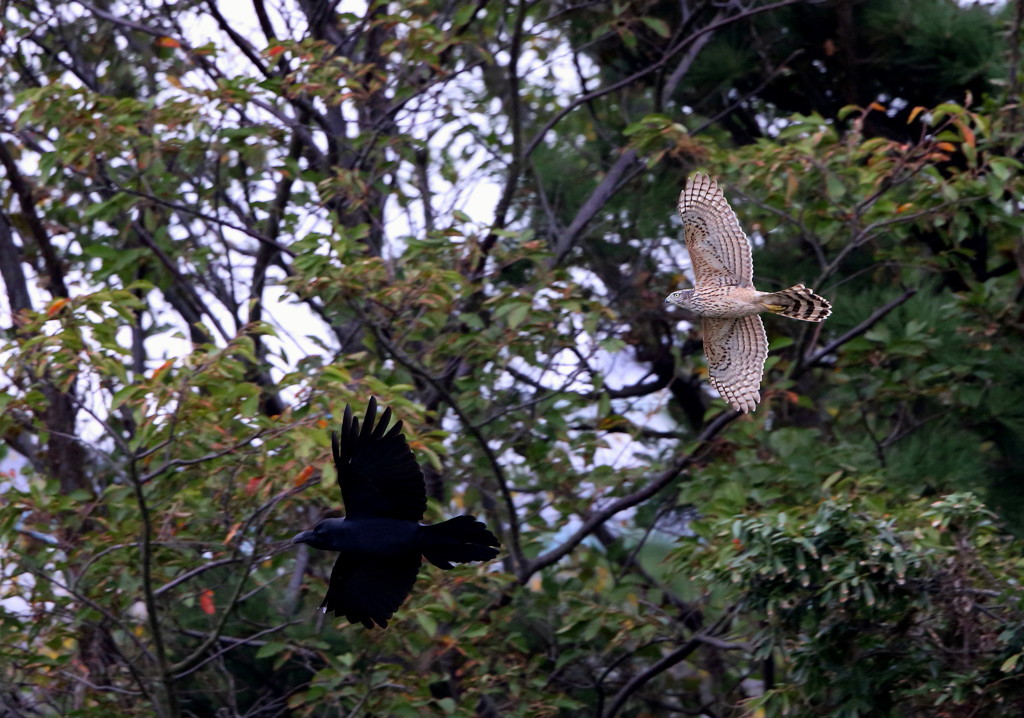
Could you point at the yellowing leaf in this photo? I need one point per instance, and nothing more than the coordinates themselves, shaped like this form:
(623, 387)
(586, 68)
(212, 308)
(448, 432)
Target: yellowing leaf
(968, 135)
(914, 113)
(231, 532)
(162, 368)
(56, 305)
(303, 476)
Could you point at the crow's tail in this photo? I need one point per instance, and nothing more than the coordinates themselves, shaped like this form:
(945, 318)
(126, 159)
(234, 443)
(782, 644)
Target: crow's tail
(460, 539)
(797, 302)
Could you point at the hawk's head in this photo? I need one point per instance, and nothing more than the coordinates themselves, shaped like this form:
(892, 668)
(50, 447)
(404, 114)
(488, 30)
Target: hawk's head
(681, 297)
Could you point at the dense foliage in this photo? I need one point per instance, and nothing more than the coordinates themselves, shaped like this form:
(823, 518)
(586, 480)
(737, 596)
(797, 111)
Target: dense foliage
(218, 229)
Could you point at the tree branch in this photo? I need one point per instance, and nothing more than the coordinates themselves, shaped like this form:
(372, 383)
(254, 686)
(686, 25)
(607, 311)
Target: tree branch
(597, 518)
(169, 703)
(54, 269)
(636, 682)
(12, 272)
(861, 328)
(609, 185)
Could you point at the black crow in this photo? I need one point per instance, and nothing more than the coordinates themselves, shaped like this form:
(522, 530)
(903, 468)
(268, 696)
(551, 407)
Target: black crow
(380, 540)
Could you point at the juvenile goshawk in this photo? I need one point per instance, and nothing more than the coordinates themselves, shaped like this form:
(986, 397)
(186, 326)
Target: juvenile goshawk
(724, 295)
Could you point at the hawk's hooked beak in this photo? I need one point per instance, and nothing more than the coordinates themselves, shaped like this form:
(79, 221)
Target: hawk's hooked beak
(303, 537)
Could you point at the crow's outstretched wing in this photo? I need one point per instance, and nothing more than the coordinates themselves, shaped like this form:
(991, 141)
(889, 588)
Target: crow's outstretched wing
(369, 591)
(377, 472)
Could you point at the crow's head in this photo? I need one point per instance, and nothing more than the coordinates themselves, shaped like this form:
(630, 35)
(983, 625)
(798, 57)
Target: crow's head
(328, 535)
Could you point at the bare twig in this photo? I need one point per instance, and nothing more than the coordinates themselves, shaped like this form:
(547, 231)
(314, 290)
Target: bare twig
(186, 669)
(636, 682)
(175, 463)
(517, 155)
(195, 572)
(167, 702)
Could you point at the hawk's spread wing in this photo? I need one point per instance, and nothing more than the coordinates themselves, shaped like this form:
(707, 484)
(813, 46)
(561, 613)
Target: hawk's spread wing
(719, 249)
(369, 591)
(736, 350)
(377, 472)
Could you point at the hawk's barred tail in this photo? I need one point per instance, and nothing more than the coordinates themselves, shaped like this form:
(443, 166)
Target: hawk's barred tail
(797, 302)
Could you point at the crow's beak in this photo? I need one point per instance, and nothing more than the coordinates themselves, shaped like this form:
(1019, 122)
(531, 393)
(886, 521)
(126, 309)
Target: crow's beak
(303, 537)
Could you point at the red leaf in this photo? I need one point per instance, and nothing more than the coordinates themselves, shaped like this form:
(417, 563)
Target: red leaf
(253, 485)
(275, 51)
(206, 601)
(167, 42)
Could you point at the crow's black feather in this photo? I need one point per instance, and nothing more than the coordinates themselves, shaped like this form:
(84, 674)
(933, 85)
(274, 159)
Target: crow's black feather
(377, 472)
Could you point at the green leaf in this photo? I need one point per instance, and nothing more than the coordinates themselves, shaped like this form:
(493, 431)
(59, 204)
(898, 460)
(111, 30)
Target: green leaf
(271, 649)
(834, 187)
(427, 623)
(517, 314)
(659, 26)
